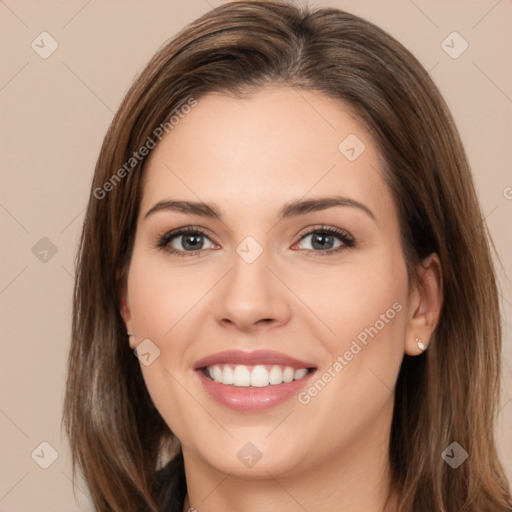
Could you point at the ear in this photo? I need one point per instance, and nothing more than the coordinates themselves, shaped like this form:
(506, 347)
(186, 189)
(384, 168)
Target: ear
(425, 303)
(125, 306)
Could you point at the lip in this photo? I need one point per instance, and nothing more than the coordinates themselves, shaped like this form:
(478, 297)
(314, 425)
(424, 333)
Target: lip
(246, 399)
(251, 359)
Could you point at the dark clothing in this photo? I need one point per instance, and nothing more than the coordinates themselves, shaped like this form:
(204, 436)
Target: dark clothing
(172, 485)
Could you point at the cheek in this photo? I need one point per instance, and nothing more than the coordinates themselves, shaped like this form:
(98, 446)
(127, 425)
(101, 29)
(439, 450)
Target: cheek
(160, 296)
(364, 304)
(366, 291)
(159, 301)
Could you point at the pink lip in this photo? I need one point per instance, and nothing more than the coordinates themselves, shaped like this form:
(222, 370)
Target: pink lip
(251, 358)
(245, 399)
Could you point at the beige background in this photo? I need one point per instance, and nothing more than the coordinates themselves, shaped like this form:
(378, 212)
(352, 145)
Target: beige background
(54, 114)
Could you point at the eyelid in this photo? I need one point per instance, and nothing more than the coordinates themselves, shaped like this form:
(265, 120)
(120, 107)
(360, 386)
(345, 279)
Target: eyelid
(324, 228)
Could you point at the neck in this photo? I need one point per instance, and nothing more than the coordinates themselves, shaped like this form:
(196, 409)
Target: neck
(352, 478)
(390, 504)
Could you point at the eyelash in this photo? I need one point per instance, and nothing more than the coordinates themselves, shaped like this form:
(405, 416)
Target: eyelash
(164, 240)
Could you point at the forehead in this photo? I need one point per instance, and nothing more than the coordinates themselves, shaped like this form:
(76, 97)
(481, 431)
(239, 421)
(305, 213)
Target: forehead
(275, 145)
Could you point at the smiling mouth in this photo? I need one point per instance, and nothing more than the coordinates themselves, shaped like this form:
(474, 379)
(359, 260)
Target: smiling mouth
(254, 376)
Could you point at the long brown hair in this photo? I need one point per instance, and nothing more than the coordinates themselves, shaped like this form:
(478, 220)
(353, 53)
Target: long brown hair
(448, 393)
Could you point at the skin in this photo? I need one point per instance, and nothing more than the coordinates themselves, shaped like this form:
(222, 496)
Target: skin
(250, 157)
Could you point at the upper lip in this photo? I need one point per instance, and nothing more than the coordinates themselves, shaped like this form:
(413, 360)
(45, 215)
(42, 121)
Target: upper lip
(251, 358)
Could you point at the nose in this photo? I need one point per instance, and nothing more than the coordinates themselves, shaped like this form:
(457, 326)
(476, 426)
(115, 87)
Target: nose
(251, 296)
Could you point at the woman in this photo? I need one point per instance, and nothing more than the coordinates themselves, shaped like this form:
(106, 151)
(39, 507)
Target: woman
(283, 228)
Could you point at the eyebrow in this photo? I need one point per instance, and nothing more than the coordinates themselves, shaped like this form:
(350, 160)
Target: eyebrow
(291, 209)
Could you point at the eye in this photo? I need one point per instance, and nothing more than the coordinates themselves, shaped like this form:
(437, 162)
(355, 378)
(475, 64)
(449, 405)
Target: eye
(189, 241)
(323, 240)
(184, 241)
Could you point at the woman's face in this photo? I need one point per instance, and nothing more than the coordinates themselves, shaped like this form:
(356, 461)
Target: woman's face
(273, 268)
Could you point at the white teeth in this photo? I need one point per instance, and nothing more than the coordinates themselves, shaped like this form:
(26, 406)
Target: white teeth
(276, 375)
(228, 376)
(300, 373)
(242, 376)
(288, 374)
(217, 373)
(258, 376)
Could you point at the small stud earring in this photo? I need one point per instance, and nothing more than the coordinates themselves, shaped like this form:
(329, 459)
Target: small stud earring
(130, 341)
(421, 346)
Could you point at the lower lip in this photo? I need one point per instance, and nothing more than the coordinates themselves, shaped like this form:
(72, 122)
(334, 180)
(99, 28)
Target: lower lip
(252, 399)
